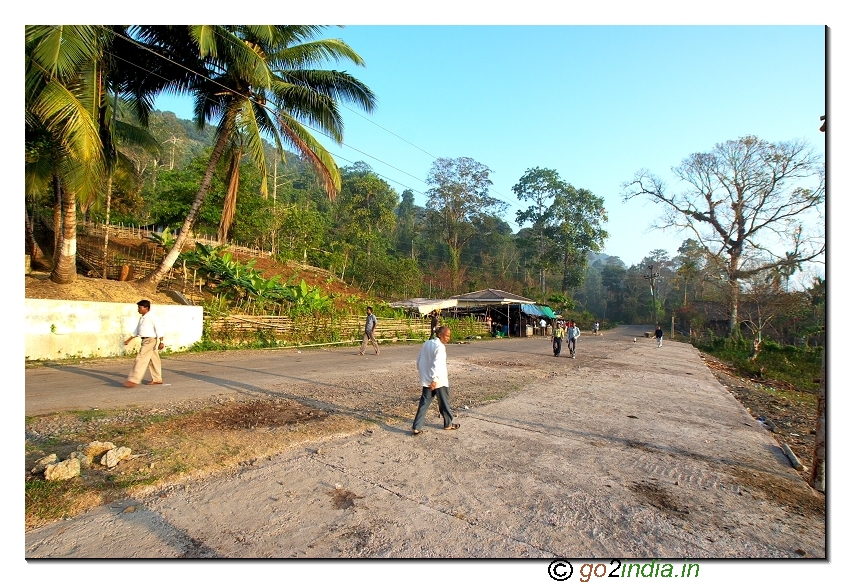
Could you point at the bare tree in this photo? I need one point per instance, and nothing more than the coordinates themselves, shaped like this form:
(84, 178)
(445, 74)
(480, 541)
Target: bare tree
(763, 299)
(744, 201)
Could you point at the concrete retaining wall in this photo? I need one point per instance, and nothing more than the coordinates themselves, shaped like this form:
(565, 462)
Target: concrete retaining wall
(57, 329)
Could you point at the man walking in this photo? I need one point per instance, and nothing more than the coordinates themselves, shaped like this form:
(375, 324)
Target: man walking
(659, 334)
(434, 378)
(435, 322)
(369, 332)
(150, 332)
(557, 338)
(572, 334)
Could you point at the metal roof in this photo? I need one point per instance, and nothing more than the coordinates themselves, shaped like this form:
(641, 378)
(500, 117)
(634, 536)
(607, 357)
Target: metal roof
(424, 305)
(490, 296)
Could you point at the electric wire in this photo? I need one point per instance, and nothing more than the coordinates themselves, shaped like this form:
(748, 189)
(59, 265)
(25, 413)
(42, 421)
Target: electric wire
(498, 196)
(266, 106)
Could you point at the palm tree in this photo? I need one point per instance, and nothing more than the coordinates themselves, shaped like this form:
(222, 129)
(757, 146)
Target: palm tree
(71, 125)
(257, 81)
(63, 142)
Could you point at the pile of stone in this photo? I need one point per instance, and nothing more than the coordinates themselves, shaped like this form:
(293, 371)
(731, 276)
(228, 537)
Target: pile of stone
(103, 453)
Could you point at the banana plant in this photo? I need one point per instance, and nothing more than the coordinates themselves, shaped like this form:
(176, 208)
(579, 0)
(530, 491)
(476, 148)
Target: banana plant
(165, 239)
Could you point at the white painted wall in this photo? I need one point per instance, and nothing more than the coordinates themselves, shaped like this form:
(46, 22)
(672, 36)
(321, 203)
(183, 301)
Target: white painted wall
(57, 329)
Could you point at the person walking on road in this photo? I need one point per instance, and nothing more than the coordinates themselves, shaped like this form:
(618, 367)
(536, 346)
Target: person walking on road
(595, 328)
(369, 332)
(557, 338)
(435, 323)
(659, 334)
(434, 378)
(150, 332)
(572, 335)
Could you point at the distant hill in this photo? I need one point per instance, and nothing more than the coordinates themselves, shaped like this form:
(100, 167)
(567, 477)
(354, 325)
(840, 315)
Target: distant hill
(183, 142)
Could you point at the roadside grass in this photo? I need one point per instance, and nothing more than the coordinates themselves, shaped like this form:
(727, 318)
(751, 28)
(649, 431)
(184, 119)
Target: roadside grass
(789, 364)
(165, 449)
(497, 395)
(778, 387)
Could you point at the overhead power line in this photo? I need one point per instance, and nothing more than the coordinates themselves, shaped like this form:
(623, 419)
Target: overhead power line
(498, 196)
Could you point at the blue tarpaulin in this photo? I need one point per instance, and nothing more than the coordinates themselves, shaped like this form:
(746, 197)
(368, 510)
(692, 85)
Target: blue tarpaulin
(531, 310)
(547, 311)
(539, 311)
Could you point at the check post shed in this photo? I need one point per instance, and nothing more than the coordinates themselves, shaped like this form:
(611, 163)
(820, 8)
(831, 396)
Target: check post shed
(506, 310)
(423, 306)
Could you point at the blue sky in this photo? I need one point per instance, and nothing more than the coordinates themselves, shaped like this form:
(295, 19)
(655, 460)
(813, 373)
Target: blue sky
(595, 103)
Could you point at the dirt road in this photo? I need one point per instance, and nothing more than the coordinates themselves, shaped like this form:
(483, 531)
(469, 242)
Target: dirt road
(627, 451)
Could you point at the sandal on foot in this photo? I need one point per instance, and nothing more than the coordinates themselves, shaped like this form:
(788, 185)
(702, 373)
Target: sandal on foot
(452, 426)
(417, 432)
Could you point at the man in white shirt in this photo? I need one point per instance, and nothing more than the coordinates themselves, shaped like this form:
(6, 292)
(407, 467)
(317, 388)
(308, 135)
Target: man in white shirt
(572, 335)
(434, 378)
(152, 342)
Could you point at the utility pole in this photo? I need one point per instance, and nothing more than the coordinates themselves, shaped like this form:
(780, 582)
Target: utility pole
(651, 277)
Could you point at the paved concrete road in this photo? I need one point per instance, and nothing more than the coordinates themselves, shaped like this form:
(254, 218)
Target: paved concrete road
(628, 451)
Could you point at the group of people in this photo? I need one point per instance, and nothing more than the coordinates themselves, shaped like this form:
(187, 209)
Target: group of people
(565, 329)
(431, 362)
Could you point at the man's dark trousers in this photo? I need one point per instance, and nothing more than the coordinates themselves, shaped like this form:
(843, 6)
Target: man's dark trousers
(425, 402)
(556, 346)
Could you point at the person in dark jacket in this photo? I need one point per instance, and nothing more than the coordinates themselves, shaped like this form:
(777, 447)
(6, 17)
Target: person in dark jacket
(557, 337)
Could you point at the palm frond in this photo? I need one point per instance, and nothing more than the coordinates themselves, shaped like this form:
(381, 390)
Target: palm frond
(311, 108)
(206, 39)
(60, 51)
(306, 145)
(69, 119)
(252, 140)
(310, 54)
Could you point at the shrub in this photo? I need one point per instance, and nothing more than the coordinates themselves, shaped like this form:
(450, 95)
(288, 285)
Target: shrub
(798, 366)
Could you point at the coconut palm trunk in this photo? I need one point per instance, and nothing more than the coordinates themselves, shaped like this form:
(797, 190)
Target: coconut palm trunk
(36, 255)
(65, 265)
(156, 276)
(57, 217)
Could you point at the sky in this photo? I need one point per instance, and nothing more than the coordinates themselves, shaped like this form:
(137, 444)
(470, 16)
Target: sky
(594, 103)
